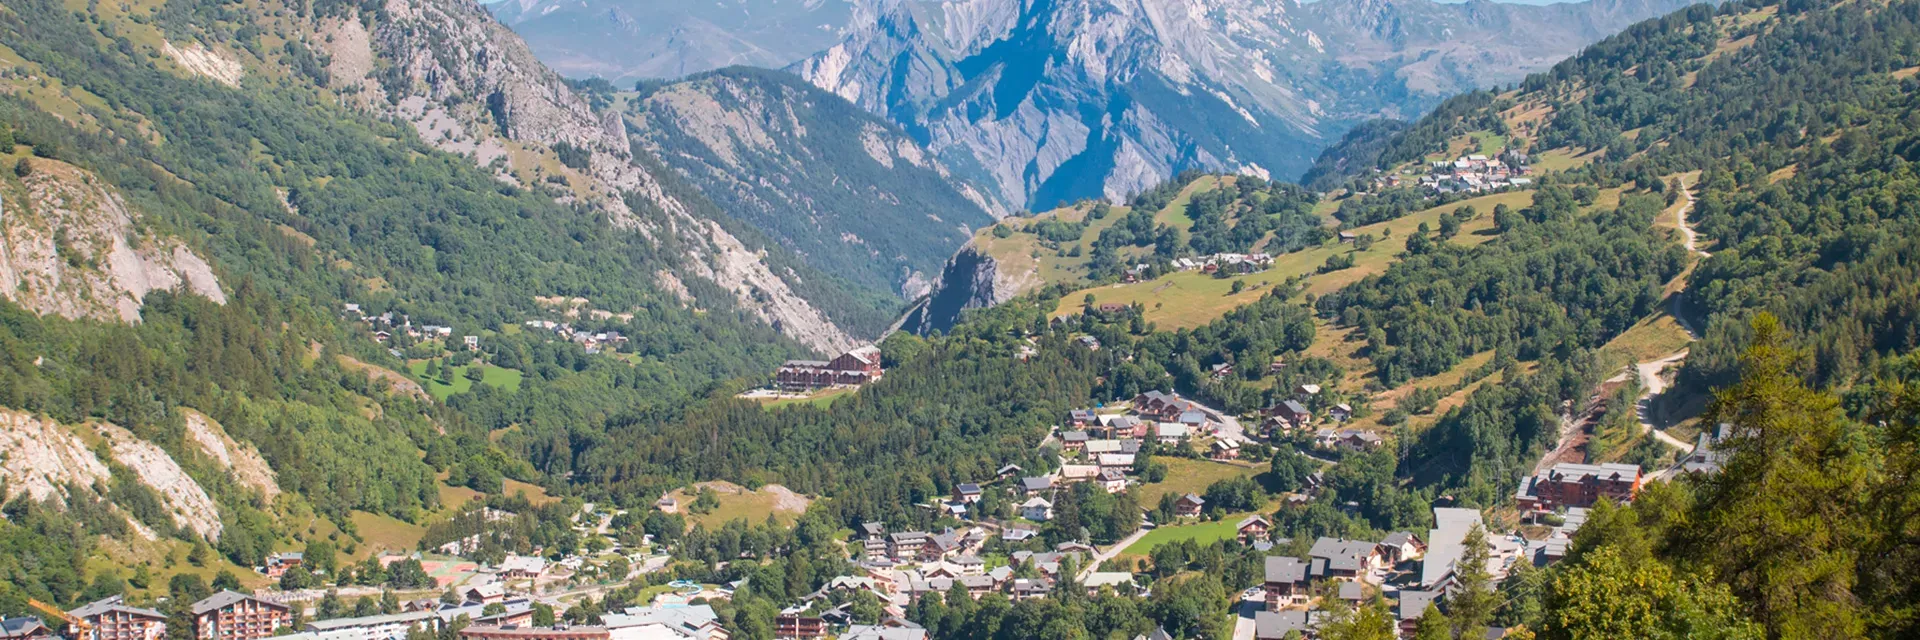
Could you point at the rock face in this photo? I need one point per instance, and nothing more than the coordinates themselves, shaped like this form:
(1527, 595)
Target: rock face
(40, 459)
(238, 458)
(848, 191)
(70, 246)
(468, 85)
(186, 502)
(1056, 100)
(623, 40)
(971, 280)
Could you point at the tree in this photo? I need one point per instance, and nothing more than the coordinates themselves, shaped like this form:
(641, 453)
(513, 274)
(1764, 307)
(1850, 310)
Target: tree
(1611, 596)
(1372, 621)
(225, 580)
(330, 605)
(365, 606)
(1781, 522)
(448, 597)
(493, 609)
(389, 602)
(187, 587)
(1238, 286)
(23, 168)
(1472, 601)
(542, 615)
(1434, 625)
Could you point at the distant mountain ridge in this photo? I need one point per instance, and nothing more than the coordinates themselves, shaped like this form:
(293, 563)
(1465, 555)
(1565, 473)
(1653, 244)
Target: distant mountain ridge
(627, 40)
(1056, 100)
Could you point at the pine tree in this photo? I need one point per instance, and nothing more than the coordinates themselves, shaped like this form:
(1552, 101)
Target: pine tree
(1472, 602)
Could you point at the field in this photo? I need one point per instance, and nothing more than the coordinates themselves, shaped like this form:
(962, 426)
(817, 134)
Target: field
(821, 398)
(498, 377)
(737, 503)
(1563, 159)
(1203, 533)
(1190, 299)
(1187, 475)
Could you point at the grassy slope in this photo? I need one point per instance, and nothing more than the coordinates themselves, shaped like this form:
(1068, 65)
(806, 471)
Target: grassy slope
(1191, 299)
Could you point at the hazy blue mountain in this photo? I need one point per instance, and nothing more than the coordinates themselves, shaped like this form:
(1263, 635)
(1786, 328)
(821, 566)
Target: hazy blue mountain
(623, 40)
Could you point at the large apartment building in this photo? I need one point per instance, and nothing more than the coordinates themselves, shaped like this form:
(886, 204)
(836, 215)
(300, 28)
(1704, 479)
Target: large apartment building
(231, 615)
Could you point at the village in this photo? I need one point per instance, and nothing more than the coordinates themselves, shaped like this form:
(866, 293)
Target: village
(1473, 173)
(517, 597)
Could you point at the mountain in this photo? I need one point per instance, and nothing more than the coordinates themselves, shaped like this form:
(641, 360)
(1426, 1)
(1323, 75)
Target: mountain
(627, 40)
(847, 191)
(1057, 100)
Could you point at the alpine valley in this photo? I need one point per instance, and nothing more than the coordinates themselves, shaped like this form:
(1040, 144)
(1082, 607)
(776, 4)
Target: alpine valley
(959, 320)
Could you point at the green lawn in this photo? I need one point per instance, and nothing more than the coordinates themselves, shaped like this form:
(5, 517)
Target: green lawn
(1175, 215)
(1203, 533)
(498, 377)
(1189, 475)
(821, 399)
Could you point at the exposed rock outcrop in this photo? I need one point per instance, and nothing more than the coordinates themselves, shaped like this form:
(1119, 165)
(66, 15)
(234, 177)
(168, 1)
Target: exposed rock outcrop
(70, 246)
(971, 280)
(186, 501)
(40, 458)
(240, 459)
(470, 86)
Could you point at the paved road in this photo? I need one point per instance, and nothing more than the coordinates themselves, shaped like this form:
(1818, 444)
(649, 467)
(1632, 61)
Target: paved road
(1100, 557)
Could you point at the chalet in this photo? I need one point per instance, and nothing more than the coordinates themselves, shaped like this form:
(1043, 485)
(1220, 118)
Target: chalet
(1350, 439)
(966, 492)
(696, 622)
(1029, 588)
(1160, 405)
(1402, 546)
(1220, 371)
(1090, 342)
(1275, 625)
(1113, 480)
(24, 628)
(1350, 594)
(1071, 473)
(1413, 605)
(1306, 390)
(231, 615)
(1278, 365)
(112, 619)
(969, 565)
(1099, 447)
(1224, 449)
(1707, 456)
(1036, 486)
(1171, 432)
(1112, 308)
(853, 368)
(1116, 461)
(795, 625)
(1338, 558)
(1120, 582)
(906, 545)
(1194, 419)
(1291, 413)
(1578, 485)
(1341, 412)
(1081, 418)
(1286, 582)
(1037, 509)
(1253, 528)
(472, 342)
(1188, 506)
(1348, 236)
(1125, 427)
(277, 564)
(1073, 440)
(523, 567)
(1008, 471)
(1014, 533)
(1446, 545)
(488, 593)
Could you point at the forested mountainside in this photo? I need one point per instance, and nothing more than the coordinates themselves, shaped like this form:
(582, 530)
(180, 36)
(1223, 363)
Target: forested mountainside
(844, 189)
(1053, 101)
(242, 413)
(627, 40)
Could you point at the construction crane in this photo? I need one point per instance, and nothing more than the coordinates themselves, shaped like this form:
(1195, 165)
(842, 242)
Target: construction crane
(76, 626)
